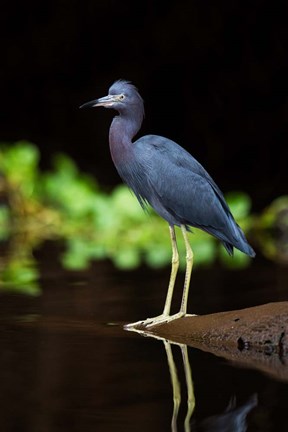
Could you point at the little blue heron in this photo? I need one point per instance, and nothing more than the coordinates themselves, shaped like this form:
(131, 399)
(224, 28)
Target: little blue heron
(164, 175)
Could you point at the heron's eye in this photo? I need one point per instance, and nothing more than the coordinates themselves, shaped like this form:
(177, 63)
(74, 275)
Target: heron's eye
(122, 96)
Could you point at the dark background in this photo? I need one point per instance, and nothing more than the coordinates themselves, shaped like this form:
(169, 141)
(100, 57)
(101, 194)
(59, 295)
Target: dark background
(213, 75)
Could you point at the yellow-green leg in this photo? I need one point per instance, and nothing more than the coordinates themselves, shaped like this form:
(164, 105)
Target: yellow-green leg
(174, 270)
(165, 316)
(189, 266)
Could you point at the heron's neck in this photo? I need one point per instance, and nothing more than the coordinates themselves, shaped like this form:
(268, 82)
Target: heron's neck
(122, 131)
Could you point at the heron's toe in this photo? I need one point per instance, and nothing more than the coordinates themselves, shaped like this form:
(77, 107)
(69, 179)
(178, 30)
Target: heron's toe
(142, 324)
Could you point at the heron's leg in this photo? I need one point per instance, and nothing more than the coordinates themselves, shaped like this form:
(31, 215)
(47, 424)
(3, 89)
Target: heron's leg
(174, 270)
(189, 266)
(166, 311)
(183, 308)
(165, 317)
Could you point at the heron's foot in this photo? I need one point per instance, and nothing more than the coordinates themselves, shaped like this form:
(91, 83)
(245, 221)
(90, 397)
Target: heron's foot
(144, 323)
(164, 319)
(149, 323)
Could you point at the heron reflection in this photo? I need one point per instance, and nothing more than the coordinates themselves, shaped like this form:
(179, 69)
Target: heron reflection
(232, 419)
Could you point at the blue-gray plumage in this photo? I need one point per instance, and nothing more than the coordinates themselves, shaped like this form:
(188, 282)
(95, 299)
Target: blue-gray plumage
(164, 175)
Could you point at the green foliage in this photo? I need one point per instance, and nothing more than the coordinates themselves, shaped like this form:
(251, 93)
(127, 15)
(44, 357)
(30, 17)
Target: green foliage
(4, 223)
(239, 203)
(66, 190)
(65, 203)
(271, 228)
(20, 274)
(19, 165)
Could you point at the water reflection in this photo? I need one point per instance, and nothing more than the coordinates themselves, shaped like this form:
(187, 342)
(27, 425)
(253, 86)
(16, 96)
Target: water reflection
(232, 419)
(176, 386)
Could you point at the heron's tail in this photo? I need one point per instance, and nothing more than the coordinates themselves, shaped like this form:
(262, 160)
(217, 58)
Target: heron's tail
(237, 239)
(245, 248)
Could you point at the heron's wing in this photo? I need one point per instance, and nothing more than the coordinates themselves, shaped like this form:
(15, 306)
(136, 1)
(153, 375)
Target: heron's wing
(183, 188)
(188, 168)
(182, 184)
(182, 191)
(190, 197)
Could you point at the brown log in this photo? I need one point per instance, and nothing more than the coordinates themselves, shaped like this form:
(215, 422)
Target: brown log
(255, 337)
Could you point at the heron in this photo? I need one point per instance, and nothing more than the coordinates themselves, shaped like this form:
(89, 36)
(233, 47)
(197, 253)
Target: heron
(165, 176)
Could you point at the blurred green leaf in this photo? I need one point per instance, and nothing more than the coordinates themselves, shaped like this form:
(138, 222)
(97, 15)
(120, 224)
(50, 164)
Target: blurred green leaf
(20, 275)
(127, 258)
(158, 255)
(4, 223)
(19, 163)
(239, 203)
(237, 261)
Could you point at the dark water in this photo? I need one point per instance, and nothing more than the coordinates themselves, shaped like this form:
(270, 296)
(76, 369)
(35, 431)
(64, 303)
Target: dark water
(66, 364)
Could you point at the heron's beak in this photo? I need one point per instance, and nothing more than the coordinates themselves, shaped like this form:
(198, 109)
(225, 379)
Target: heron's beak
(106, 101)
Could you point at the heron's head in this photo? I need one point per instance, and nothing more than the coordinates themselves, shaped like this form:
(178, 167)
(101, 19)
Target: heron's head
(123, 96)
